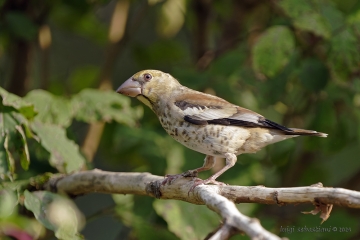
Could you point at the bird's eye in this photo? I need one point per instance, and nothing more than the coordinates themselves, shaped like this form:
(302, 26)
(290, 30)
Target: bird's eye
(147, 76)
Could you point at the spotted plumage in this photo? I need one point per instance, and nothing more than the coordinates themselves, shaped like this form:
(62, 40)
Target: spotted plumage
(205, 123)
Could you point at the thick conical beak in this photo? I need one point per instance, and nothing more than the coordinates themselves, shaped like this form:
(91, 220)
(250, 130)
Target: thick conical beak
(130, 88)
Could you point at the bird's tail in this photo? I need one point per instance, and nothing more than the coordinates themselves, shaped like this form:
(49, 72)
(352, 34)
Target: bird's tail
(297, 131)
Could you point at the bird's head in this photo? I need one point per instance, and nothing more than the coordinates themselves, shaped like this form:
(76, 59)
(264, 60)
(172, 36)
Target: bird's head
(149, 86)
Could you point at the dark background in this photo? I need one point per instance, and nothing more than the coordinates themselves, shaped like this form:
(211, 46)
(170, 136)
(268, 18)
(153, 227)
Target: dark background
(295, 62)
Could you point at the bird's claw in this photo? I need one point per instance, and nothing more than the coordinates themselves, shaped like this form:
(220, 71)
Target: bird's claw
(169, 179)
(198, 182)
(190, 173)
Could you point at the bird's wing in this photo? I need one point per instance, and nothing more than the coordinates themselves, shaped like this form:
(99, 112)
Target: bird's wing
(202, 109)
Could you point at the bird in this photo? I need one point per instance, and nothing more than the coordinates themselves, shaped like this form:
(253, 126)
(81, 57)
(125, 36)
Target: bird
(205, 123)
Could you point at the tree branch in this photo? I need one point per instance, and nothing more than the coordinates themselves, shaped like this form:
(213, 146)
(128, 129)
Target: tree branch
(220, 199)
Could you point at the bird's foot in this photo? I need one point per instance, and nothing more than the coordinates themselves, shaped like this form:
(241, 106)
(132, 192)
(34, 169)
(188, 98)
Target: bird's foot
(169, 179)
(198, 182)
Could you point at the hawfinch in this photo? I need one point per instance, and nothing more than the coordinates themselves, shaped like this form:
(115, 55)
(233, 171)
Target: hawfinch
(205, 123)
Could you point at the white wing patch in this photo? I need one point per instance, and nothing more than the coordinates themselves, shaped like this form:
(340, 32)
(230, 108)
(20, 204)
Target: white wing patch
(248, 117)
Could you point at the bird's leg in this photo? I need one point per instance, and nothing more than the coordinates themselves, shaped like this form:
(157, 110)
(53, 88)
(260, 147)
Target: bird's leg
(209, 162)
(230, 161)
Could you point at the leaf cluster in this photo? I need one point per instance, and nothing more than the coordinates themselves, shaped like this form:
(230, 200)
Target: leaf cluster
(43, 118)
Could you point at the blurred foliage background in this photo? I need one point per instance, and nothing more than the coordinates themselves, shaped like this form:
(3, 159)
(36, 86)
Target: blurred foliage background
(296, 62)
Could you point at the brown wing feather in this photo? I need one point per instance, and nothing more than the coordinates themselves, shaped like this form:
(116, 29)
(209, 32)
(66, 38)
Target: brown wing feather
(201, 109)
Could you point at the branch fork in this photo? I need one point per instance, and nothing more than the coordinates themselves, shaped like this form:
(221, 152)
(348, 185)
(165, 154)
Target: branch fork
(219, 198)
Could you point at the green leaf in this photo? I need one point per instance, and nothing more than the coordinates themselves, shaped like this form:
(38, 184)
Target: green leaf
(354, 19)
(273, 50)
(140, 226)
(9, 155)
(23, 149)
(92, 105)
(344, 56)
(56, 213)
(15, 186)
(35, 204)
(52, 109)
(8, 203)
(272, 91)
(80, 20)
(78, 76)
(90, 26)
(64, 153)
(306, 17)
(23, 107)
(347, 164)
(159, 53)
(228, 63)
(314, 75)
(182, 221)
(4, 167)
(14, 145)
(124, 208)
(8, 132)
(314, 22)
(20, 25)
(174, 158)
(171, 17)
(333, 15)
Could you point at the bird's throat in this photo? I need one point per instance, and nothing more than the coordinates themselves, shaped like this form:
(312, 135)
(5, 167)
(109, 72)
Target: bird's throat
(145, 100)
